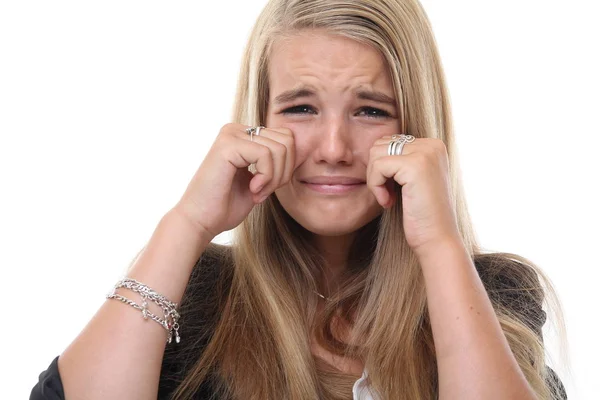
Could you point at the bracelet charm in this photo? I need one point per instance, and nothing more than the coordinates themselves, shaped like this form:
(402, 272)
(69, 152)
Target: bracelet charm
(171, 316)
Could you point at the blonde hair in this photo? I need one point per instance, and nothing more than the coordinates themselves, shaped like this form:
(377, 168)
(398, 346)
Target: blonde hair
(260, 347)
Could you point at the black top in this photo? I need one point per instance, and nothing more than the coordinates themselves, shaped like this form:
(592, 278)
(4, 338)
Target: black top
(178, 357)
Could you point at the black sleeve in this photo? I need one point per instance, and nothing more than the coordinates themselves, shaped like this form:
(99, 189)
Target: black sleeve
(49, 386)
(516, 286)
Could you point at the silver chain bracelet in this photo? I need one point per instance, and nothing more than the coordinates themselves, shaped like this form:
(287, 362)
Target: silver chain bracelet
(170, 321)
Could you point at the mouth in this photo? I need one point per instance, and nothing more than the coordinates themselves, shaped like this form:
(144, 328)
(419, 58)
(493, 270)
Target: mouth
(333, 188)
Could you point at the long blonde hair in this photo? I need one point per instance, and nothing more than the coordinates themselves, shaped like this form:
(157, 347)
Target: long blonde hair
(260, 346)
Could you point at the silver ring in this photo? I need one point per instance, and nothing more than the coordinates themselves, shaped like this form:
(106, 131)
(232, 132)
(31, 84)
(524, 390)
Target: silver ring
(408, 138)
(254, 130)
(397, 144)
(399, 148)
(391, 147)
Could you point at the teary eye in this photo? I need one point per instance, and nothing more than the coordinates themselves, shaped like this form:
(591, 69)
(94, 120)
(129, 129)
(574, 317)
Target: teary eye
(372, 112)
(301, 109)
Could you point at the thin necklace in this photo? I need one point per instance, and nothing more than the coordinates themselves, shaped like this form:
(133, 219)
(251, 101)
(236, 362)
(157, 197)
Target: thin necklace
(321, 296)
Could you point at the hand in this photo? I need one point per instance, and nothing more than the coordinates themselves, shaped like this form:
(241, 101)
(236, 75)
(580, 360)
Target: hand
(223, 192)
(422, 172)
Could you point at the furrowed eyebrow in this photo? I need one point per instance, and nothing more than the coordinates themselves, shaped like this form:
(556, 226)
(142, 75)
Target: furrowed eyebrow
(377, 97)
(291, 95)
(302, 92)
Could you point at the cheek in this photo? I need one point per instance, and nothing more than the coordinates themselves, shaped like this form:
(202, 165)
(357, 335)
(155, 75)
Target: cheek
(303, 147)
(364, 145)
(377, 134)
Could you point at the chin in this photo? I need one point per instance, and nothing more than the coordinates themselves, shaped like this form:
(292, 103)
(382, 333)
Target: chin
(329, 221)
(332, 229)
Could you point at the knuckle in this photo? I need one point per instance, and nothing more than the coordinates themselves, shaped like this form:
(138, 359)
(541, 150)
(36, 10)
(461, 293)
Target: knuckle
(228, 127)
(285, 131)
(439, 145)
(290, 142)
(264, 151)
(442, 147)
(281, 148)
(268, 173)
(221, 143)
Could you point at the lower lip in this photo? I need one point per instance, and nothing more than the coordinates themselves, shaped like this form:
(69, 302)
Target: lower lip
(333, 189)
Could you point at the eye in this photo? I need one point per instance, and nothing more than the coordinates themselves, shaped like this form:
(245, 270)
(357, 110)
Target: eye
(301, 109)
(371, 112)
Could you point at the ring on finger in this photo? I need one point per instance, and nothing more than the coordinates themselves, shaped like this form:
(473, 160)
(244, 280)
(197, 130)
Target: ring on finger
(402, 136)
(396, 145)
(254, 130)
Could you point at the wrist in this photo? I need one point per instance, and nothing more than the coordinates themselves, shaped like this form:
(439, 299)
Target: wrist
(439, 247)
(177, 217)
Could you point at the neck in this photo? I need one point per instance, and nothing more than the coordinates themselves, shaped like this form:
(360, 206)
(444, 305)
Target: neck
(334, 250)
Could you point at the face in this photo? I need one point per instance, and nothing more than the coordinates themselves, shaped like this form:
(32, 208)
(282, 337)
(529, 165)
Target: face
(336, 96)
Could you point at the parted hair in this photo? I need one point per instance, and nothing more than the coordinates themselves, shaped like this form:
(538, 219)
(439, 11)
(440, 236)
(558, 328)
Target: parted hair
(263, 302)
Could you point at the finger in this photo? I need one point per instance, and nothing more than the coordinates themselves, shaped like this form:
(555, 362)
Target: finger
(281, 142)
(382, 170)
(382, 196)
(278, 152)
(245, 153)
(391, 167)
(286, 137)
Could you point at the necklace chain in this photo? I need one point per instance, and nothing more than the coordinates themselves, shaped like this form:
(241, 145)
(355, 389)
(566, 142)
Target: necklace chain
(321, 296)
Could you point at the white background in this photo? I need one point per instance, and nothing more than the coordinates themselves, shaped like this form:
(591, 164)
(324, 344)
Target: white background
(107, 109)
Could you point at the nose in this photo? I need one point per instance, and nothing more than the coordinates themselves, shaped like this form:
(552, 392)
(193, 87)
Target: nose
(333, 143)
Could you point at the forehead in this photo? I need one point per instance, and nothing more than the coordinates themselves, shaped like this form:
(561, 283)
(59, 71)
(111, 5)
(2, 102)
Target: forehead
(327, 61)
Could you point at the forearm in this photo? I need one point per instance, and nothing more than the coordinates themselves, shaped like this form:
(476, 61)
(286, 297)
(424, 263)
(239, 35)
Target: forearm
(473, 355)
(119, 354)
